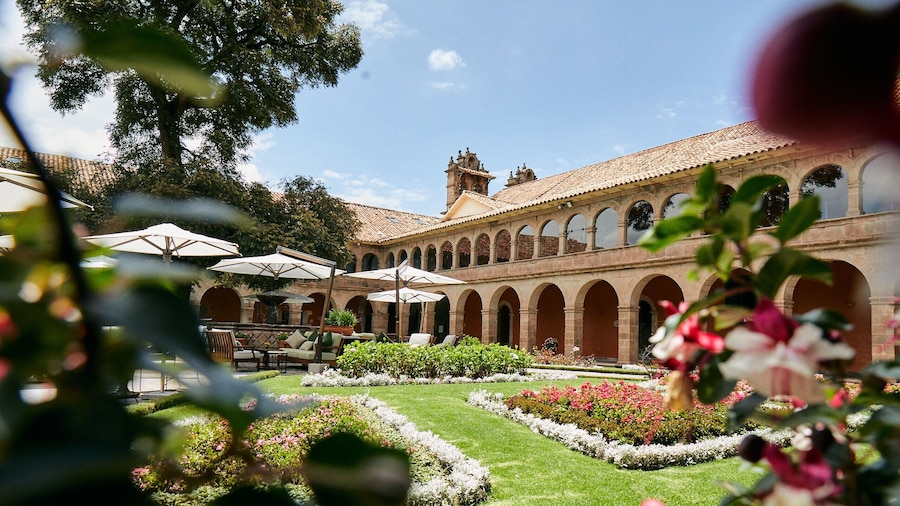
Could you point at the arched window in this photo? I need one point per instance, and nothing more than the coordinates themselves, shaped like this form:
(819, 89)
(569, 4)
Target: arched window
(446, 256)
(606, 228)
(830, 184)
(417, 258)
(725, 194)
(775, 203)
(504, 247)
(464, 253)
(431, 258)
(640, 220)
(549, 239)
(403, 256)
(369, 262)
(673, 205)
(482, 250)
(525, 243)
(576, 234)
(879, 184)
(351, 265)
(390, 259)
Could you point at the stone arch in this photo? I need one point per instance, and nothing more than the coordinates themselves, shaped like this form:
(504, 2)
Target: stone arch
(446, 256)
(389, 262)
(525, 243)
(463, 252)
(880, 180)
(472, 307)
(482, 249)
(416, 260)
(548, 245)
(508, 305)
(848, 295)
(646, 297)
(363, 309)
(369, 262)
(600, 334)
(441, 318)
(315, 309)
(402, 256)
(351, 264)
(638, 221)
(829, 182)
(672, 205)
(775, 202)
(430, 258)
(502, 247)
(550, 305)
(576, 234)
(606, 229)
(220, 304)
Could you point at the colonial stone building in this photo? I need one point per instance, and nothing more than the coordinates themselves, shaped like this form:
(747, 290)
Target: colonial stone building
(556, 256)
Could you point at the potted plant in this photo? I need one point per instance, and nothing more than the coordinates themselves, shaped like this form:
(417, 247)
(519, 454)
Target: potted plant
(341, 321)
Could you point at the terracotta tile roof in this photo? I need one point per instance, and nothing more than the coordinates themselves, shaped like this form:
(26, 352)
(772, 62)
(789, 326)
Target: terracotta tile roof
(378, 224)
(85, 175)
(725, 144)
(721, 145)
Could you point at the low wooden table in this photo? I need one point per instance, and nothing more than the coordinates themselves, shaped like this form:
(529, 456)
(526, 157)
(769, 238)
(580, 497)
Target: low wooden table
(266, 353)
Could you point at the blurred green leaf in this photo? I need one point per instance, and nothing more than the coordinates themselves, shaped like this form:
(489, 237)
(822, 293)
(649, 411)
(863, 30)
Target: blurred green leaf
(195, 208)
(707, 187)
(737, 221)
(670, 231)
(753, 188)
(789, 262)
(713, 387)
(798, 219)
(159, 57)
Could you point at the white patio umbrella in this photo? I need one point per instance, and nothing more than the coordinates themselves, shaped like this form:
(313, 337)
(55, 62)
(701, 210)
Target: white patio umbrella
(167, 240)
(406, 295)
(7, 242)
(286, 263)
(21, 190)
(407, 274)
(276, 265)
(99, 262)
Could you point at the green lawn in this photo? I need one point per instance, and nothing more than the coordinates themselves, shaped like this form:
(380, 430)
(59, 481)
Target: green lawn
(527, 468)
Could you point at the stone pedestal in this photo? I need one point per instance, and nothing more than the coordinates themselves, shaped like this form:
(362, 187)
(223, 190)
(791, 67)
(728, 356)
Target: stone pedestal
(316, 368)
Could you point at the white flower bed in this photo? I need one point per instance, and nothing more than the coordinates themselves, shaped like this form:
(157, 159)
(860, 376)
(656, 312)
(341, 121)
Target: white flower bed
(653, 456)
(334, 378)
(467, 481)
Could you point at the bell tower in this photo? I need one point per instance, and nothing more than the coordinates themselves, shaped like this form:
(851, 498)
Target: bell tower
(466, 174)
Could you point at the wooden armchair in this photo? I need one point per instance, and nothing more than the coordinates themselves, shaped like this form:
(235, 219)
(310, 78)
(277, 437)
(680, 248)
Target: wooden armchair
(224, 347)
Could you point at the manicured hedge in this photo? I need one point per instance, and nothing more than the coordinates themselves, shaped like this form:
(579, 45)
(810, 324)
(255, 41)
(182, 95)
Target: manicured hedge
(471, 359)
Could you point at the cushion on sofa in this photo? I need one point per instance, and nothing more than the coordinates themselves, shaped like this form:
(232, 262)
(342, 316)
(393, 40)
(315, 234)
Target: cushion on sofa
(295, 339)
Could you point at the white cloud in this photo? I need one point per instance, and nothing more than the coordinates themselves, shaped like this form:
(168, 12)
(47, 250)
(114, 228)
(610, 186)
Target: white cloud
(618, 149)
(330, 174)
(444, 60)
(442, 85)
(373, 18)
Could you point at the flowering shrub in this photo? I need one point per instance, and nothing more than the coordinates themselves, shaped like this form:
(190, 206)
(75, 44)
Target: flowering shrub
(626, 412)
(471, 359)
(336, 378)
(550, 344)
(274, 449)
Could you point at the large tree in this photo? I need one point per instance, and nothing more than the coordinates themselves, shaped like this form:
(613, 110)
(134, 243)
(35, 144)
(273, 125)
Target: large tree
(262, 52)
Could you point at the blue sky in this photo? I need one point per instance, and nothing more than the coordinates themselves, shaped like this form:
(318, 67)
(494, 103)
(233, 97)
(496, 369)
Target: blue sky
(554, 85)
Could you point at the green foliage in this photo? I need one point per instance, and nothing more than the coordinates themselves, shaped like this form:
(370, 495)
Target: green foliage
(261, 53)
(341, 318)
(470, 359)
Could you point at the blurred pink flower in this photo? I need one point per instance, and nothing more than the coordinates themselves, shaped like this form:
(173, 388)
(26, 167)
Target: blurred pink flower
(678, 348)
(778, 356)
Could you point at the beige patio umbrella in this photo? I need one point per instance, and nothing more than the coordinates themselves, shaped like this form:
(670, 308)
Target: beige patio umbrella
(407, 274)
(167, 240)
(21, 190)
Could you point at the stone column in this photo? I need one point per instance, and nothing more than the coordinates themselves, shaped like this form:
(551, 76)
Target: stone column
(456, 322)
(883, 347)
(854, 198)
(623, 233)
(574, 328)
(561, 243)
(488, 326)
(492, 259)
(380, 320)
(527, 328)
(428, 317)
(628, 334)
(591, 238)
